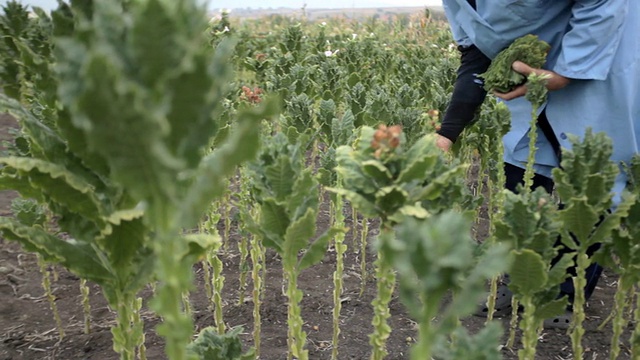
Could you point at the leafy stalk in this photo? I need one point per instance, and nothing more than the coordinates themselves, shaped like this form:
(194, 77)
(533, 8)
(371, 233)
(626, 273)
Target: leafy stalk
(385, 282)
(635, 335)
(257, 253)
(584, 184)
(86, 305)
(218, 285)
(364, 274)
(51, 298)
(536, 94)
(428, 268)
(341, 248)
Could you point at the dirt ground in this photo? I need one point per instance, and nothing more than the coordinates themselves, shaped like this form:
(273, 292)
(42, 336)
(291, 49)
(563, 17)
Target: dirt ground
(28, 329)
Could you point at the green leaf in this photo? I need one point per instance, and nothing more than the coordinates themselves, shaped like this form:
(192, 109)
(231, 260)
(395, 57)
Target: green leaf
(57, 183)
(558, 272)
(415, 211)
(551, 309)
(434, 188)
(209, 345)
(391, 198)
(529, 273)
(21, 185)
(123, 241)
(376, 170)
(318, 248)
(281, 177)
(613, 220)
(211, 175)
(299, 233)
(154, 42)
(304, 194)
(351, 172)
(78, 257)
(199, 245)
(579, 218)
(274, 222)
(419, 159)
(361, 203)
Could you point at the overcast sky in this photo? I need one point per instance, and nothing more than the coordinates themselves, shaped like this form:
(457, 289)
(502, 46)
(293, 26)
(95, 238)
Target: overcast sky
(231, 4)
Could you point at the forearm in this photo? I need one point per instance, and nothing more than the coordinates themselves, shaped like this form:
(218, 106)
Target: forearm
(468, 93)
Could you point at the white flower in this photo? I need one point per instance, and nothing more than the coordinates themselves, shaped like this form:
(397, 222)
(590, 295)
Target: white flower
(330, 53)
(434, 46)
(324, 23)
(354, 36)
(226, 29)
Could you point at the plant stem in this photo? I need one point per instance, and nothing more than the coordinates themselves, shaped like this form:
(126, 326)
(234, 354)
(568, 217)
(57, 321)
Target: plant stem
(218, 285)
(46, 285)
(243, 248)
(128, 332)
(208, 281)
(139, 325)
(386, 279)
(533, 135)
(256, 253)
(177, 327)
(337, 275)
(579, 282)
(422, 348)
(297, 337)
(529, 325)
(491, 299)
(363, 255)
(635, 336)
(354, 226)
(86, 305)
(227, 218)
(620, 302)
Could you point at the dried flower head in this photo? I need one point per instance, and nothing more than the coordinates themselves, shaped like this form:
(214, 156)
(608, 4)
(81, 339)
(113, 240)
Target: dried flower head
(386, 139)
(251, 96)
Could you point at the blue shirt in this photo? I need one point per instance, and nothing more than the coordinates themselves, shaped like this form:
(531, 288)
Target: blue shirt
(596, 43)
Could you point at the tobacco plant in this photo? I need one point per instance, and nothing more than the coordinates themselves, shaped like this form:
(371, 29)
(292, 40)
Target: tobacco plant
(287, 194)
(584, 184)
(622, 254)
(530, 228)
(436, 256)
(382, 178)
(123, 165)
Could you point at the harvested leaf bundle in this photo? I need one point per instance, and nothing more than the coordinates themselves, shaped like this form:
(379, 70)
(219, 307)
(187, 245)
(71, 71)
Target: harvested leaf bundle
(501, 77)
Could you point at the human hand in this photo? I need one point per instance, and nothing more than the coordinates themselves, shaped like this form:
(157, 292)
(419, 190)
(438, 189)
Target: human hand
(443, 143)
(555, 81)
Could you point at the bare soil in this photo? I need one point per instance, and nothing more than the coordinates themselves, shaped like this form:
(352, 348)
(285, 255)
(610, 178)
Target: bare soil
(28, 329)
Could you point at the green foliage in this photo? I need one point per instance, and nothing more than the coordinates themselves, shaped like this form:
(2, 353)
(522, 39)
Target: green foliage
(119, 155)
(433, 257)
(28, 212)
(287, 194)
(584, 183)
(501, 77)
(390, 182)
(210, 345)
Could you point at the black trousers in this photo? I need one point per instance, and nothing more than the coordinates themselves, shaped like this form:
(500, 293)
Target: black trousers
(515, 176)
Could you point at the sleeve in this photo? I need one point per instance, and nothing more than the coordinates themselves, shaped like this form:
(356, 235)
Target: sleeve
(468, 92)
(595, 30)
(459, 36)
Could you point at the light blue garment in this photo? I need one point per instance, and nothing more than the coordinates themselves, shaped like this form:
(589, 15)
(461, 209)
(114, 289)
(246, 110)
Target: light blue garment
(596, 43)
